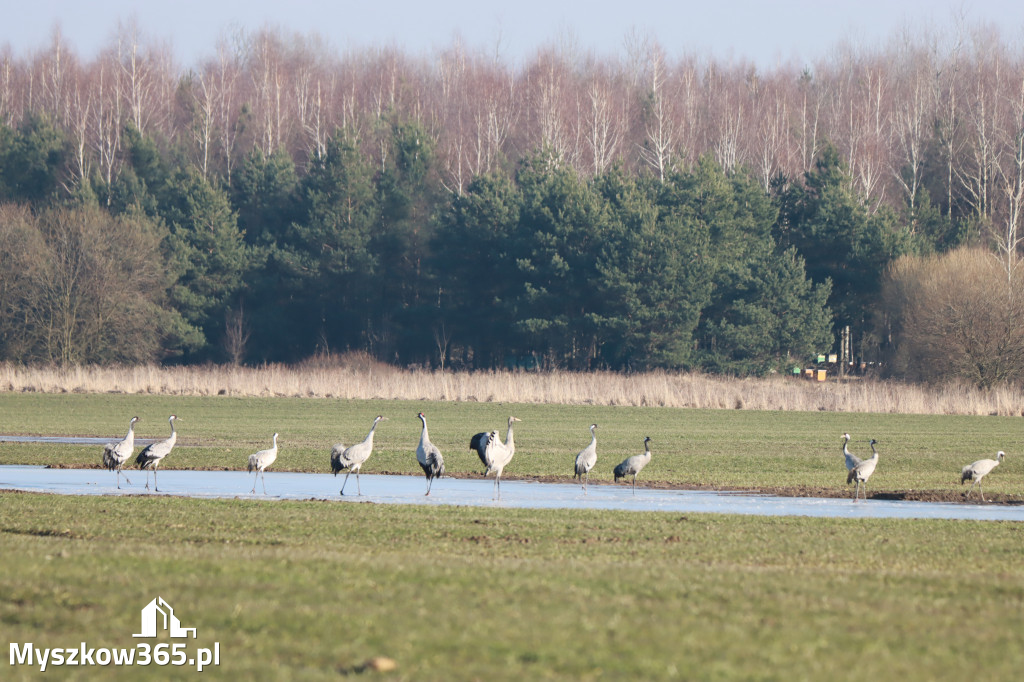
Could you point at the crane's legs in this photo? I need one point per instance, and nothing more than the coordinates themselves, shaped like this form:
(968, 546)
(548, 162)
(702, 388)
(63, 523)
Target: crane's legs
(263, 477)
(856, 493)
(634, 484)
(147, 480)
(497, 487)
(257, 475)
(359, 490)
(155, 486)
(429, 481)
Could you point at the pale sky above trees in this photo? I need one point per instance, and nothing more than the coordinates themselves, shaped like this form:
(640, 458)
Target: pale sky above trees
(765, 32)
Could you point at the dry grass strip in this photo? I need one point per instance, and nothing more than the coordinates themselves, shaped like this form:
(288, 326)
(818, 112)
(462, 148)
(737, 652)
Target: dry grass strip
(360, 378)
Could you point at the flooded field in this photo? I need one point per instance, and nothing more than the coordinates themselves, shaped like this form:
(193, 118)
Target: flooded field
(390, 489)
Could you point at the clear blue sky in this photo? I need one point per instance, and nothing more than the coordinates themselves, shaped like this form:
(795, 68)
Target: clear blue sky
(766, 32)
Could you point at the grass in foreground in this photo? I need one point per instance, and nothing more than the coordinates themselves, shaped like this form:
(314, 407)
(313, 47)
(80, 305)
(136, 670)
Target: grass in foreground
(308, 590)
(727, 448)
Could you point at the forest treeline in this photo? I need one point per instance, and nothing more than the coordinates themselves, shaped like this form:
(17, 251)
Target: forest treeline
(280, 200)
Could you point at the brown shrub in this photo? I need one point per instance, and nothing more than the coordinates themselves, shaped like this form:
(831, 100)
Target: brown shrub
(958, 315)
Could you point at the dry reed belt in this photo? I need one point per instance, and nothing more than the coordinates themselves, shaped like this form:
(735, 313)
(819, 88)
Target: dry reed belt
(369, 380)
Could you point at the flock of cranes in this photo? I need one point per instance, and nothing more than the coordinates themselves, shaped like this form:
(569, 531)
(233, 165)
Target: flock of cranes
(494, 454)
(859, 470)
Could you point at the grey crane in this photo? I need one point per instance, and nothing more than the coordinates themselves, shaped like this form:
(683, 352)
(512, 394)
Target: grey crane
(852, 460)
(862, 471)
(352, 457)
(116, 454)
(634, 465)
(496, 457)
(428, 456)
(154, 453)
(586, 460)
(479, 442)
(975, 471)
(259, 462)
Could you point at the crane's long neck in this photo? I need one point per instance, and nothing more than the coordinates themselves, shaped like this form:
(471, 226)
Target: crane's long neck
(846, 450)
(509, 442)
(369, 436)
(174, 435)
(424, 438)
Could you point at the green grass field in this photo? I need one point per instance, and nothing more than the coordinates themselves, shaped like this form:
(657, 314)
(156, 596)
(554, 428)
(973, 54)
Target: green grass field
(311, 590)
(734, 448)
(308, 590)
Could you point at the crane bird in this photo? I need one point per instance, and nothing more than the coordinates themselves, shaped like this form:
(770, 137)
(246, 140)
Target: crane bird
(259, 462)
(852, 460)
(975, 471)
(862, 471)
(352, 457)
(154, 453)
(496, 457)
(634, 465)
(586, 460)
(429, 456)
(479, 442)
(116, 454)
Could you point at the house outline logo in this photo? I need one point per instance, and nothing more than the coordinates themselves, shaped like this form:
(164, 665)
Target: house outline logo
(170, 621)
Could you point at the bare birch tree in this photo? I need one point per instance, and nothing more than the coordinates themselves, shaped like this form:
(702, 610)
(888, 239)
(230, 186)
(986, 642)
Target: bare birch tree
(79, 114)
(976, 171)
(658, 148)
(268, 81)
(912, 119)
(551, 88)
(225, 73)
(770, 146)
(137, 77)
(7, 92)
(606, 120)
(107, 119)
(810, 104)
(203, 107)
(1010, 171)
(55, 68)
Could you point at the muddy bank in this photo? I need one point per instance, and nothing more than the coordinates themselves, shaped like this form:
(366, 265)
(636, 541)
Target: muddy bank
(785, 491)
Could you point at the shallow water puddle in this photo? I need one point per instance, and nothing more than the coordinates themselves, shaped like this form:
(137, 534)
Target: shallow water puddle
(387, 489)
